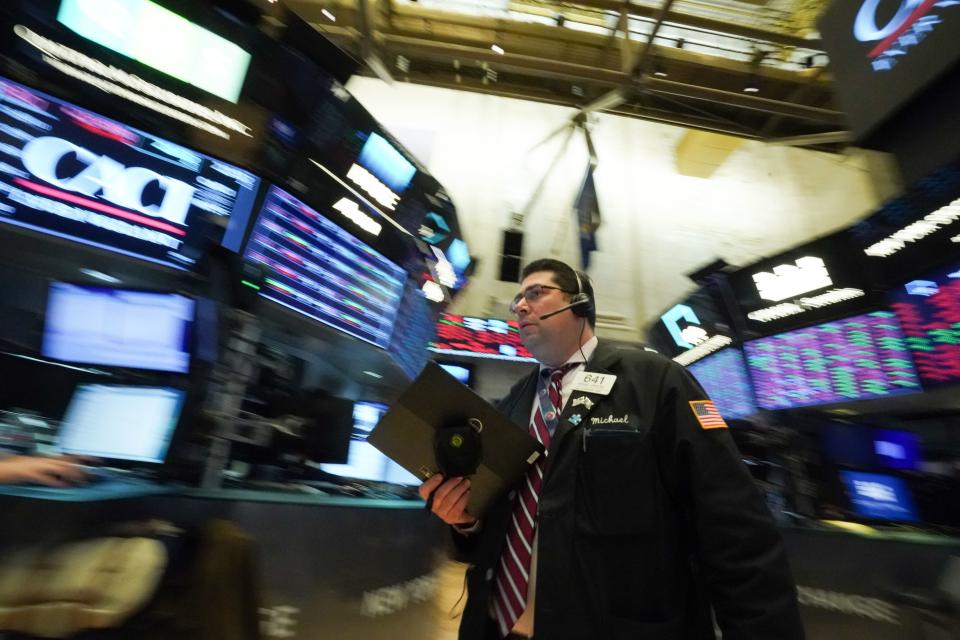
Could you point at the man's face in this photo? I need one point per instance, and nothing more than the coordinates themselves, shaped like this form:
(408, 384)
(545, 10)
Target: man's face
(540, 294)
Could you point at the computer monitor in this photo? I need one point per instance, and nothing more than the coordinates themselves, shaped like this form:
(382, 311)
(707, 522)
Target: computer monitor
(118, 422)
(848, 445)
(895, 449)
(328, 435)
(876, 496)
(364, 461)
(395, 474)
(460, 371)
(118, 327)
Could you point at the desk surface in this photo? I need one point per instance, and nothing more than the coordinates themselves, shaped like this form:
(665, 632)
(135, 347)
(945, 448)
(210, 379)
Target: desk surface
(112, 489)
(850, 529)
(130, 488)
(293, 497)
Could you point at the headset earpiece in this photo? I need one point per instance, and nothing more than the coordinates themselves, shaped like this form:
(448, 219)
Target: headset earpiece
(583, 301)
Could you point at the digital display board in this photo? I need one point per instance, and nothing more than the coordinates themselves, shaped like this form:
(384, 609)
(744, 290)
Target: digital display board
(877, 496)
(929, 311)
(883, 53)
(723, 376)
(320, 270)
(480, 337)
(855, 358)
(914, 232)
(143, 30)
(815, 281)
(413, 331)
(71, 173)
(118, 327)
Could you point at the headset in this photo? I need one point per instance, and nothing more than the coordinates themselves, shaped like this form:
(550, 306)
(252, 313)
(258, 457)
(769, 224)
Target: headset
(580, 303)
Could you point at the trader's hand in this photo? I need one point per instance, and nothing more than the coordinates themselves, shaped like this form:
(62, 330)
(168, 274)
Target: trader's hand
(53, 472)
(450, 498)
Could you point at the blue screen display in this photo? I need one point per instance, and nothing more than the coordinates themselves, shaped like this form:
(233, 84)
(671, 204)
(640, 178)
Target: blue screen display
(415, 328)
(724, 377)
(384, 161)
(879, 497)
(897, 449)
(118, 327)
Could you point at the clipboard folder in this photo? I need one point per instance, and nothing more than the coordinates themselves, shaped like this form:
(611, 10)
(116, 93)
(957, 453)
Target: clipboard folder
(436, 400)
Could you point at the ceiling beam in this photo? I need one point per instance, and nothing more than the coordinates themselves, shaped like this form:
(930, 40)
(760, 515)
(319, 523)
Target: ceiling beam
(616, 97)
(572, 72)
(368, 46)
(707, 24)
(797, 94)
(828, 137)
(653, 115)
(626, 50)
(507, 61)
(742, 100)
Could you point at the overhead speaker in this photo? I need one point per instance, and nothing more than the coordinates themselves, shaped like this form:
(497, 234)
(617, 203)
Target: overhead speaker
(511, 255)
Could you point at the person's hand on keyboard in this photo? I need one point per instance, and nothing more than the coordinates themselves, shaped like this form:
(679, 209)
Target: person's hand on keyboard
(52, 472)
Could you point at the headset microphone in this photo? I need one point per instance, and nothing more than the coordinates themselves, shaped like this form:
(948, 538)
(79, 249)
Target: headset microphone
(562, 309)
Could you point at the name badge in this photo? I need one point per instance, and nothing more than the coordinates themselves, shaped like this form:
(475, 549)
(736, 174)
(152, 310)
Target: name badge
(600, 383)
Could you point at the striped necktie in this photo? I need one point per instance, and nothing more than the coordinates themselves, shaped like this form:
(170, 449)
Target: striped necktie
(510, 588)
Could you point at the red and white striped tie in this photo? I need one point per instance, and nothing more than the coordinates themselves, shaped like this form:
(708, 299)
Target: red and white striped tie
(513, 575)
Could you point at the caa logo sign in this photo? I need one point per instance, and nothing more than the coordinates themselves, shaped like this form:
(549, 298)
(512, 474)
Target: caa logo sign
(689, 337)
(908, 26)
(102, 176)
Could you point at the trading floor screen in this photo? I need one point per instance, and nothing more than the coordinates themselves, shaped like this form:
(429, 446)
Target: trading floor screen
(851, 359)
(320, 270)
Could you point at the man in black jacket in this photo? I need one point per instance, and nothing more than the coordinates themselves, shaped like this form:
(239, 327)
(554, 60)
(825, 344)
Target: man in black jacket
(642, 519)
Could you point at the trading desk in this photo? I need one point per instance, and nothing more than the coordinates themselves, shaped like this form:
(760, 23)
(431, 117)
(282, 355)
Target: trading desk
(331, 566)
(863, 582)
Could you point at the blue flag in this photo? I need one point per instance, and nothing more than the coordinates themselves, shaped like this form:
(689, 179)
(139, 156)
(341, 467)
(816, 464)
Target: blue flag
(587, 209)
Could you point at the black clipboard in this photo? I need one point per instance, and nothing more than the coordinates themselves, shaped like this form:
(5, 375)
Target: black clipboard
(435, 400)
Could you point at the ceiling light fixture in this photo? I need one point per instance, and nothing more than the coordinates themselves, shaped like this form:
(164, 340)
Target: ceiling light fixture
(497, 49)
(329, 15)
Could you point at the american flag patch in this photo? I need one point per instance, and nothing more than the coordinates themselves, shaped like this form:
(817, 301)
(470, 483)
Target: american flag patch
(707, 415)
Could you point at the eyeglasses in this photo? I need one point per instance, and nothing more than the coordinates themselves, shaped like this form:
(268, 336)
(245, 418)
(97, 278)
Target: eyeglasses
(531, 294)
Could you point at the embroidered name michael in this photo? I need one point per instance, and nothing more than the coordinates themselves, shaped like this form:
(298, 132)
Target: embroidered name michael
(611, 420)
